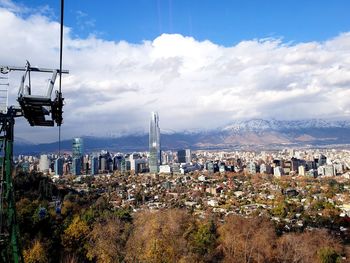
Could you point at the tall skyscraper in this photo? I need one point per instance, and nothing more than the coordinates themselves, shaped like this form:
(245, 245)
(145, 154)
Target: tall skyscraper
(184, 156)
(77, 155)
(94, 165)
(77, 148)
(154, 144)
(44, 163)
(59, 166)
(76, 166)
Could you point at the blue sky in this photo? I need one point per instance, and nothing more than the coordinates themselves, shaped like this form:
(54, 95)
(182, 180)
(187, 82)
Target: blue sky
(200, 64)
(225, 22)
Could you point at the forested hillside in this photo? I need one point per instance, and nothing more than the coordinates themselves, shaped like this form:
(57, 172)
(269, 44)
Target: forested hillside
(60, 225)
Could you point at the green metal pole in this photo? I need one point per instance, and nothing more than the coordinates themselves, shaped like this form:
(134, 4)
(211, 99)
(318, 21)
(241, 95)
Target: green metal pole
(14, 250)
(11, 203)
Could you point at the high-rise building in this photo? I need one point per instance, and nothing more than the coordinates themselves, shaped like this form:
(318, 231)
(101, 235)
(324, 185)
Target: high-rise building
(125, 165)
(77, 153)
(265, 168)
(117, 160)
(181, 156)
(154, 144)
(44, 163)
(77, 148)
(184, 156)
(76, 166)
(301, 170)
(94, 165)
(103, 163)
(329, 170)
(251, 167)
(59, 166)
(167, 157)
(209, 166)
(322, 160)
(338, 168)
(133, 160)
(278, 171)
(188, 156)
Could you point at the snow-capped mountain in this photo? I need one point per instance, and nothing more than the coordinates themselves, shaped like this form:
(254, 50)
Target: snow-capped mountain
(258, 125)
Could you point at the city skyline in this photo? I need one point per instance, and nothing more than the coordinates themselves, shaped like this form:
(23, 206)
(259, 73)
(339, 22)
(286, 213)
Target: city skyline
(254, 134)
(188, 78)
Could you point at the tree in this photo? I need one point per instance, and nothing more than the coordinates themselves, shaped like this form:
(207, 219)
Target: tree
(329, 255)
(67, 207)
(247, 240)
(159, 237)
(106, 241)
(281, 209)
(36, 253)
(203, 238)
(74, 237)
(307, 247)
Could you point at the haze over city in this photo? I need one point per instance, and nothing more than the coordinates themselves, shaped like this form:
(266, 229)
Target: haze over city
(192, 61)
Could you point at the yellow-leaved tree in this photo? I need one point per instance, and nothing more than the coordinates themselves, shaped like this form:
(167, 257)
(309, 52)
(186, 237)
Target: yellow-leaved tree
(106, 241)
(75, 236)
(159, 237)
(36, 253)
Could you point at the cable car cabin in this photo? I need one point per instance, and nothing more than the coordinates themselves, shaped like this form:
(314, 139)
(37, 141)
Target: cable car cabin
(40, 110)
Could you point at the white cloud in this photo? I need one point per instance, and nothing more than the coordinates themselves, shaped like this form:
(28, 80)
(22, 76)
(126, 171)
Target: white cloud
(12, 7)
(113, 86)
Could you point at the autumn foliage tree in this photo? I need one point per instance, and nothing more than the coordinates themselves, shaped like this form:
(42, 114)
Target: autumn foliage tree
(106, 241)
(74, 237)
(247, 240)
(36, 253)
(203, 241)
(310, 247)
(159, 237)
(88, 228)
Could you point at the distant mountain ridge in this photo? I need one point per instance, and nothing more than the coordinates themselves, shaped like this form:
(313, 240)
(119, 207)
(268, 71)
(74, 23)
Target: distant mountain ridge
(278, 125)
(250, 134)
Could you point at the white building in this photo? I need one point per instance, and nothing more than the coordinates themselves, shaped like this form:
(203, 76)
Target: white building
(165, 169)
(213, 203)
(251, 167)
(338, 168)
(265, 168)
(329, 170)
(133, 158)
(301, 170)
(44, 163)
(320, 171)
(278, 171)
(188, 156)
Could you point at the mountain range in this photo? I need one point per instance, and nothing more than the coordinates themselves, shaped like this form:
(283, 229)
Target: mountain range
(250, 134)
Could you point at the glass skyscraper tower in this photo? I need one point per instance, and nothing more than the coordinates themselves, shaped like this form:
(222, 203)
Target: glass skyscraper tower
(154, 144)
(77, 155)
(77, 148)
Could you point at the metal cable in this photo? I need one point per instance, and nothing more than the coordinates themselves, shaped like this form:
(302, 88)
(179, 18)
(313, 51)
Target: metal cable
(60, 80)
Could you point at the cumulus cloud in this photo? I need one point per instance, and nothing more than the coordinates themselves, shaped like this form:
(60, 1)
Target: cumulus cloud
(113, 86)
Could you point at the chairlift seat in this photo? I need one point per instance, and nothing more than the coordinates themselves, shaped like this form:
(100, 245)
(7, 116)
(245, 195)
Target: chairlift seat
(36, 109)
